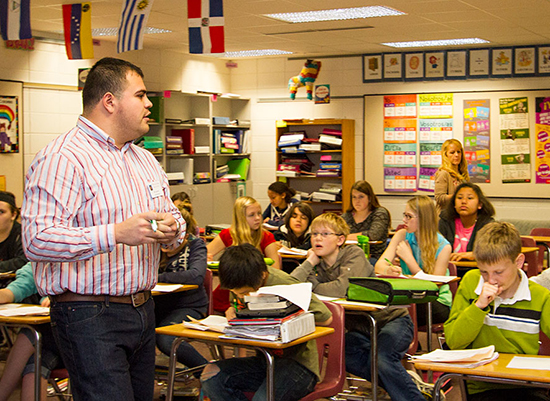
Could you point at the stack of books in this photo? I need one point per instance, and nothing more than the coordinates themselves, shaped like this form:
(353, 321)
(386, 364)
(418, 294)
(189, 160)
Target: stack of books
(329, 169)
(291, 141)
(153, 144)
(221, 171)
(187, 136)
(331, 138)
(310, 145)
(294, 165)
(174, 145)
(230, 142)
(202, 178)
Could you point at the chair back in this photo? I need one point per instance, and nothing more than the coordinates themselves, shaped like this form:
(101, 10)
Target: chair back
(541, 232)
(453, 272)
(208, 284)
(544, 341)
(531, 265)
(331, 357)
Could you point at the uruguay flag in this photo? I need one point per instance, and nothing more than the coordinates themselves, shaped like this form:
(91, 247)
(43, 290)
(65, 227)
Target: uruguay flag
(133, 21)
(77, 26)
(15, 19)
(206, 22)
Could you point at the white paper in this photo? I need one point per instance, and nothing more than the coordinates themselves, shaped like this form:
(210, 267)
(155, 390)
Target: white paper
(25, 311)
(299, 294)
(525, 362)
(432, 277)
(211, 322)
(270, 227)
(463, 355)
(293, 251)
(328, 299)
(344, 302)
(167, 287)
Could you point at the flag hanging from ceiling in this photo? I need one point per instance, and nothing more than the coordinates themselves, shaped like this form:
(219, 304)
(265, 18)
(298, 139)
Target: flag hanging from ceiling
(77, 26)
(206, 24)
(15, 19)
(132, 24)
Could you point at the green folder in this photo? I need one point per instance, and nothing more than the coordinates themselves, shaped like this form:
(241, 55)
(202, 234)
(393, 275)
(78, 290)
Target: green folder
(239, 166)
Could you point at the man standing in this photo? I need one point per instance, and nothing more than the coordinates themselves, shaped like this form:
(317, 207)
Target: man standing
(95, 213)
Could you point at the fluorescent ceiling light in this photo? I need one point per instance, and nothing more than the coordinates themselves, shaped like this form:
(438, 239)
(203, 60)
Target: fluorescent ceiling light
(336, 14)
(435, 43)
(114, 31)
(250, 53)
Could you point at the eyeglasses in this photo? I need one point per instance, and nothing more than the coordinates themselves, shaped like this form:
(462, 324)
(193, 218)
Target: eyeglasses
(408, 216)
(324, 235)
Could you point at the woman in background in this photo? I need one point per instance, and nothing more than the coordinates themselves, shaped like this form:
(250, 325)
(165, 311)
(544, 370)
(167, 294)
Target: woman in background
(453, 171)
(365, 216)
(467, 212)
(280, 198)
(12, 256)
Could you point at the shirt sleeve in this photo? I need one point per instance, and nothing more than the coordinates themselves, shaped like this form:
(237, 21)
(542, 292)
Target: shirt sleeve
(23, 286)
(441, 190)
(196, 267)
(379, 225)
(319, 309)
(267, 239)
(49, 214)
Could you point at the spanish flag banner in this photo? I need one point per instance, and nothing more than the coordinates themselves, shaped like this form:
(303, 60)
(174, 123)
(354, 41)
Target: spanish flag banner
(77, 24)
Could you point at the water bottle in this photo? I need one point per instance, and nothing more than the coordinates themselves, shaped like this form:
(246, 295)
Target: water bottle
(363, 242)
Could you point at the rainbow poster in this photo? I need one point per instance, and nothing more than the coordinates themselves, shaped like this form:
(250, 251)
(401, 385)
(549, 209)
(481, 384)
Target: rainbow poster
(9, 124)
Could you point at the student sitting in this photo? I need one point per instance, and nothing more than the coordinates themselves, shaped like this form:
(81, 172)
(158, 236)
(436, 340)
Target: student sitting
(21, 358)
(280, 198)
(185, 265)
(365, 216)
(328, 267)
(243, 270)
(466, 213)
(245, 229)
(420, 246)
(497, 305)
(12, 256)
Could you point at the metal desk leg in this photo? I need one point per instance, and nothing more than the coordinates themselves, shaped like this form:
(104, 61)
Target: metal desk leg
(172, 368)
(37, 362)
(429, 328)
(270, 396)
(373, 357)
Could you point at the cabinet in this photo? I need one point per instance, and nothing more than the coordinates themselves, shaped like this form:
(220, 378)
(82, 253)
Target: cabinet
(311, 183)
(177, 112)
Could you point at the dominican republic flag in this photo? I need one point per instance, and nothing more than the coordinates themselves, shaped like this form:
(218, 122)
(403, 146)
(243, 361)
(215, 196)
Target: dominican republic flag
(206, 26)
(15, 19)
(133, 21)
(77, 26)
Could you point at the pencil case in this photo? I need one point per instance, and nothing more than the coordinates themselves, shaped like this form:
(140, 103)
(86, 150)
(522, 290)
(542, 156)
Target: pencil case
(391, 291)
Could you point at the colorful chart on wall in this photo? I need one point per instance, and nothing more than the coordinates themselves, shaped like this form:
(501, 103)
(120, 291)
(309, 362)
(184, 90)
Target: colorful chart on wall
(542, 140)
(398, 179)
(514, 140)
(477, 141)
(9, 124)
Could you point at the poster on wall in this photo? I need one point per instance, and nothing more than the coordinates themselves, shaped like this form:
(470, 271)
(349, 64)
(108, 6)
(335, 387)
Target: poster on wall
(435, 105)
(434, 63)
(400, 106)
(524, 61)
(479, 63)
(372, 67)
(400, 130)
(501, 62)
(435, 129)
(542, 140)
(399, 179)
(400, 154)
(9, 124)
(543, 60)
(430, 154)
(457, 64)
(477, 139)
(414, 66)
(514, 140)
(393, 66)
(426, 179)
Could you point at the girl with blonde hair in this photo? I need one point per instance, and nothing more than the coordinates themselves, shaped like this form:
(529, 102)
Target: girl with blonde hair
(453, 171)
(419, 246)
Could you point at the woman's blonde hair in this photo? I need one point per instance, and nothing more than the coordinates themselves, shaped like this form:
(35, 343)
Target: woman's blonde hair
(462, 174)
(426, 233)
(240, 230)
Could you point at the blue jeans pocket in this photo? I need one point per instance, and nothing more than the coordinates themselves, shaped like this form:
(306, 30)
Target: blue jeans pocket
(72, 314)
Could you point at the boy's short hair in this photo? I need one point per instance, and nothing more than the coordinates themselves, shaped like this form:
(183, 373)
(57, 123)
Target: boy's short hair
(497, 241)
(242, 266)
(332, 221)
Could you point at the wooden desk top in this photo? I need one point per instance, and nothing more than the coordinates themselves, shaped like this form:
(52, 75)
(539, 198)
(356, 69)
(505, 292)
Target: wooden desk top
(496, 368)
(7, 276)
(179, 330)
(184, 287)
(30, 320)
(539, 238)
(473, 263)
(356, 306)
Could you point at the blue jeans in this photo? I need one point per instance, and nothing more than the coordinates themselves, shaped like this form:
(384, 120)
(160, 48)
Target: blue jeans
(292, 381)
(108, 349)
(186, 354)
(393, 341)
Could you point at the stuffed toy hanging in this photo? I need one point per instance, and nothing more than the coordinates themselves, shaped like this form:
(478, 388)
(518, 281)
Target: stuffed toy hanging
(306, 78)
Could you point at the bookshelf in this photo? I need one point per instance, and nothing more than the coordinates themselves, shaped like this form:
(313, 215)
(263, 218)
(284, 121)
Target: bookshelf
(176, 113)
(312, 183)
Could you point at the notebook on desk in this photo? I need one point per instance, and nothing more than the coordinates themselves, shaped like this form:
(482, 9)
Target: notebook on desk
(273, 313)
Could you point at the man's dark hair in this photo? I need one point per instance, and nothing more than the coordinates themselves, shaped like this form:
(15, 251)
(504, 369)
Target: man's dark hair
(242, 266)
(107, 75)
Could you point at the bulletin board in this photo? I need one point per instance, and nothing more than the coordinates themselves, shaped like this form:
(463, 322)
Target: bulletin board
(11, 132)
(497, 144)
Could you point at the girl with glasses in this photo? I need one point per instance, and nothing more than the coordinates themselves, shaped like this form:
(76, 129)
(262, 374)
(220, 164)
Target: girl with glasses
(419, 246)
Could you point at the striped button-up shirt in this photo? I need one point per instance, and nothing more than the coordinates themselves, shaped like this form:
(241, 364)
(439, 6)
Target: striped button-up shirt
(77, 188)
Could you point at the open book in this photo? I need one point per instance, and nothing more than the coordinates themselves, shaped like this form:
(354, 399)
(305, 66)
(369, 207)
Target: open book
(293, 251)
(466, 358)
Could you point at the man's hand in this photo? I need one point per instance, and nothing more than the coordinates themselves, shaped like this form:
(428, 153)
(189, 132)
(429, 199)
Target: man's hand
(488, 293)
(139, 229)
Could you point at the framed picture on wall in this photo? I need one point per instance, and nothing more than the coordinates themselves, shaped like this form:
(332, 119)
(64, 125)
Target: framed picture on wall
(393, 67)
(372, 67)
(501, 62)
(480, 63)
(434, 65)
(525, 61)
(414, 66)
(457, 64)
(543, 60)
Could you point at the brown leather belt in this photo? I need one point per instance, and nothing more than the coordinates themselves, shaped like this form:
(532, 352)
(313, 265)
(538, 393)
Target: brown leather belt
(136, 299)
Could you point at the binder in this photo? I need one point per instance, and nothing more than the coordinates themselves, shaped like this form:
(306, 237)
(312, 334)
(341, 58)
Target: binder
(239, 166)
(188, 139)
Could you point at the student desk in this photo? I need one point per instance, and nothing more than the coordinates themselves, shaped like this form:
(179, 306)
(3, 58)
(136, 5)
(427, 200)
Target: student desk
(7, 276)
(184, 287)
(473, 264)
(494, 372)
(546, 242)
(210, 337)
(29, 322)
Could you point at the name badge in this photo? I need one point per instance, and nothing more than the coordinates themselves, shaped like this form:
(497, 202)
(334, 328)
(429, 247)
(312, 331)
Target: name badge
(155, 190)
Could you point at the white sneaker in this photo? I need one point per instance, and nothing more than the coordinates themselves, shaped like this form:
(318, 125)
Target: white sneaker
(426, 389)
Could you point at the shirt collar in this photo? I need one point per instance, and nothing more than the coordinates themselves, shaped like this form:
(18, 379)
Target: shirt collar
(522, 293)
(97, 133)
